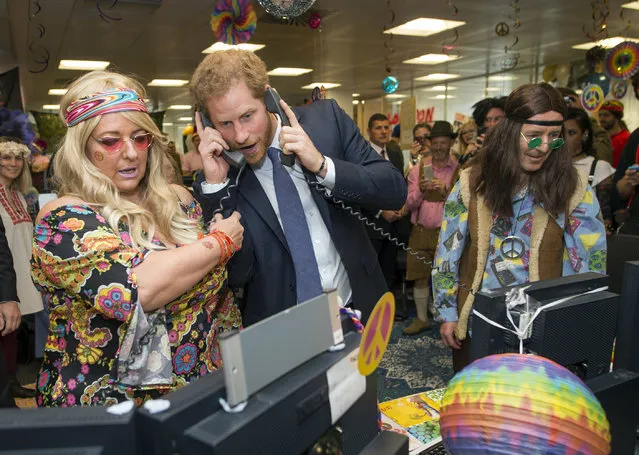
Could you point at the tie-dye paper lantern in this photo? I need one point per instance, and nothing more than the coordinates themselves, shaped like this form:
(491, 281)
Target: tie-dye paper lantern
(521, 404)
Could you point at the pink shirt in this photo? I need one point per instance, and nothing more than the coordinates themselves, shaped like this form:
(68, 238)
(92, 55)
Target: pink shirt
(428, 214)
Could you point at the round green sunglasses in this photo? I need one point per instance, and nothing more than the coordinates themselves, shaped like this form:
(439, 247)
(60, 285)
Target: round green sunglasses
(537, 142)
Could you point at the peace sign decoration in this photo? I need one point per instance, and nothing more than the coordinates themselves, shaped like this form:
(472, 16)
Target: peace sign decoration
(376, 335)
(512, 247)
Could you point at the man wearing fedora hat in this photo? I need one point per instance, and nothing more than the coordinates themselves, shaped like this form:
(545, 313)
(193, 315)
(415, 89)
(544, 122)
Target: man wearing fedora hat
(429, 183)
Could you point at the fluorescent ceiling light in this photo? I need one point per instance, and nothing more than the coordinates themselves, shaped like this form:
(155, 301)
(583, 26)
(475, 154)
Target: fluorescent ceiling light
(168, 83)
(355, 94)
(395, 96)
(82, 65)
(180, 107)
(185, 119)
(355, 101)
(441, 88)
(437, 77)
(424, 26)
(282, 71)
(224, 47)
(431, 59)
(57, 91)
(501, 78)
(167, 124)
(579, 92)
(51, 107)
(442, 97)
(326, 85)
(493, 89)
(631, 5)
(606, 43)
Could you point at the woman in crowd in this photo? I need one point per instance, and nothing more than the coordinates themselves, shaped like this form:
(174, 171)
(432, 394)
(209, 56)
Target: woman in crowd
(579, 139)
(467, 145)
(522, 214)
(137, 293)
(421, 146)
(15, 180)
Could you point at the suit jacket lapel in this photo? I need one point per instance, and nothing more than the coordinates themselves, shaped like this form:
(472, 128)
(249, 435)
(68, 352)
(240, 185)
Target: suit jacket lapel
(254, 194)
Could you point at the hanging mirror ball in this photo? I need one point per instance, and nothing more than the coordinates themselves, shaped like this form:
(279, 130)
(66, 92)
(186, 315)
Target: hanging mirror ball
(286, 8)
(390, 84)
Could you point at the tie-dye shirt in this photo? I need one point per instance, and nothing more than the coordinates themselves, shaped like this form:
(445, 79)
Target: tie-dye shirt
(584, 247)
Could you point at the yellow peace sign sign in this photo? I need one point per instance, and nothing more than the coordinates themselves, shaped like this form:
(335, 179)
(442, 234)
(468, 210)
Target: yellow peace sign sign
(376, 334)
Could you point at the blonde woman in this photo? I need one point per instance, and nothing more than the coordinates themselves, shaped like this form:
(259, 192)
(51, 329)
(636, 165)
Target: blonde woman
(15, 180)
(136, 289)
(466, 148)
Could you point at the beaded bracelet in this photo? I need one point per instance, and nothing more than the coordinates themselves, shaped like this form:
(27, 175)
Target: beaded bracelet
(225, 243)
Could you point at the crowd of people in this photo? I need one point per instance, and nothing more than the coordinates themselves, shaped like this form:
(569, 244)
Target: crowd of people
(133, 277)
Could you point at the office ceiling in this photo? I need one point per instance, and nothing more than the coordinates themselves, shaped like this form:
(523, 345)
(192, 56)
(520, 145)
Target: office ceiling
(165, 38)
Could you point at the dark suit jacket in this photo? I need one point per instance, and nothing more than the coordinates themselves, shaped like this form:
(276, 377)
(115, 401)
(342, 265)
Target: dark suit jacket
(263, 268)
(7, 273)
(395, 155)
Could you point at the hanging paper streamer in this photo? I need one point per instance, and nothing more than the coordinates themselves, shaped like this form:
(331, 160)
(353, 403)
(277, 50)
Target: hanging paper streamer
(233, 21)
(449, 46)
(39, 51)
(623, 60)
(103, 15)
(619, 88)
(389, 37)
(390, 84)
(515, 14)
(592, 98)
(524, 405)
(600, 13)
(628, 24)
(314, 21)
(286, 9)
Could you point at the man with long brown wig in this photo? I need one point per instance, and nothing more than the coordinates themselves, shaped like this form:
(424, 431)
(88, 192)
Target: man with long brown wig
(523, 205)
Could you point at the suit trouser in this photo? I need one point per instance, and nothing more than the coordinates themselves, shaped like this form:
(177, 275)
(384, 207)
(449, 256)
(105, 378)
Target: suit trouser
(6, 400)
(9, 344)
(461, 357)
(387, 257)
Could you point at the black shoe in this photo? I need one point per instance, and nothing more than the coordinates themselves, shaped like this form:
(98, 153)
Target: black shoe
(400, 316)
(17, 391)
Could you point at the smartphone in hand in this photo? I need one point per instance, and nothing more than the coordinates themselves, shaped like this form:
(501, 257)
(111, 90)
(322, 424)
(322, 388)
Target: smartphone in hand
(428, 172)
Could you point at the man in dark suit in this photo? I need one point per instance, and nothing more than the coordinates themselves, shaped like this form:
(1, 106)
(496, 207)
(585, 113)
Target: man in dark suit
(298, 242)
(387, 220)
(9, 312)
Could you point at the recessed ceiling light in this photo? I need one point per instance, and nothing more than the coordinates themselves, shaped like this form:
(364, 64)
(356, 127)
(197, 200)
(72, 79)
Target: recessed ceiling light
(282, 71)
(501, 77)
(51, 107)
(432, 59)
(168, 83)
(355, 101)
(442, 97)
(606, 43)
(82, 65)
(180, 107)
(57, 91)
(579, 92)
(424, 26)
(356, 94)
(437, 77)
(363, 101)
(224, 47)
(326, 85)
(441, 88)
(185, 119)
(395, 96)
(167, 124)
(631, 5)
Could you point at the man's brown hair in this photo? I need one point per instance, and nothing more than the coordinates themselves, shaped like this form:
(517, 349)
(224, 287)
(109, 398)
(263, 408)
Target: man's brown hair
(221, 70)
(499, 174)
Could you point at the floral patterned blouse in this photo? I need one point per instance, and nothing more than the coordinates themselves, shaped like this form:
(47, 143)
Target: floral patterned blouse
(102, 348)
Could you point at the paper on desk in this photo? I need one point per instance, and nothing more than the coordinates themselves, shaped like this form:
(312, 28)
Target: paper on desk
(345, 385)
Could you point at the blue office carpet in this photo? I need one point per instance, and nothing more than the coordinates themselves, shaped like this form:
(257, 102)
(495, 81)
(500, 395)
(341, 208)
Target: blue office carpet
(413, 364)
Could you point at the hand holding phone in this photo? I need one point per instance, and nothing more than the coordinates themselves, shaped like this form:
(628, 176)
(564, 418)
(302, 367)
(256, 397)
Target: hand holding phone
(211, 149)
(634, 167)
(428, 173)
(294, 140)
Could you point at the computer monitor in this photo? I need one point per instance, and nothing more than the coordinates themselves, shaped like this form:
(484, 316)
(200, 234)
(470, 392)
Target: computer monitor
(577, 334)
(627, 344)
(80, 430)
(289, 415)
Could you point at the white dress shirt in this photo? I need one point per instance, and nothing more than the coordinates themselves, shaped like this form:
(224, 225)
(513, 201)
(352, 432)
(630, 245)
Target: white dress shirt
(331, 269)
(379, 150)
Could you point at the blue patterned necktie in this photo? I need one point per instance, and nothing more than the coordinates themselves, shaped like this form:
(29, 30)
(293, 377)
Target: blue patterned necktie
(309, 283)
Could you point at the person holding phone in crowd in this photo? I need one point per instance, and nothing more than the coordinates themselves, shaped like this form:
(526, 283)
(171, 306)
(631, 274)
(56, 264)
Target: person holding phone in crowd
(428, 186)
(467, 145)
(421, 146)
(298, 243)
(625, 186)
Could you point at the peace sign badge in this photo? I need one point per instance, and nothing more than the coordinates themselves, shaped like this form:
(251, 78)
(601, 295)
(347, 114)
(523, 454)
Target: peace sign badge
(512, 247)
(376, 334)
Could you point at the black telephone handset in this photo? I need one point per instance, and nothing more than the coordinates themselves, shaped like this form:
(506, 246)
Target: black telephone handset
(272, 102)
